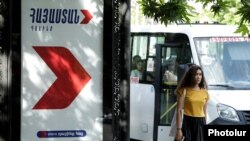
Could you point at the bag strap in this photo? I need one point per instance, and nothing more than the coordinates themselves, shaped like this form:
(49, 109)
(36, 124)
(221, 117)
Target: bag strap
(184, 91)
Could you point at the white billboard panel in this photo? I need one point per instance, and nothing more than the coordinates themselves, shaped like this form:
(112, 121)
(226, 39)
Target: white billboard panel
(61, 70)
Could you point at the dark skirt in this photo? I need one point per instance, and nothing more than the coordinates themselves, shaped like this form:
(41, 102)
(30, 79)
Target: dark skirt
(192, 128)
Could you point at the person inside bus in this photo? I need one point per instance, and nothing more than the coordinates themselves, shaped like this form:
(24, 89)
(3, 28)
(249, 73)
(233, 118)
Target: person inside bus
(135, 59)
(137, 70)
(170, 73)
(192, 97)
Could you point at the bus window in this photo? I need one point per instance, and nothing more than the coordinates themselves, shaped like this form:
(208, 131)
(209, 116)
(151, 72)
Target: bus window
(155, 40)
(143, 45)
(139, 46)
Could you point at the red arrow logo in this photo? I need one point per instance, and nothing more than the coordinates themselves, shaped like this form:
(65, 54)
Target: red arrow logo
(87, 18)
(71, 77)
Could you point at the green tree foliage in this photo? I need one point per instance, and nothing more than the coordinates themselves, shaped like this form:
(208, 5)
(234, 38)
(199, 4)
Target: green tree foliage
(166, 12)
(235, 12)
(244, 12)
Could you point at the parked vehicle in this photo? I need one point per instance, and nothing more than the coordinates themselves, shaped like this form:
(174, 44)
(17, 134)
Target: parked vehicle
(224, 57)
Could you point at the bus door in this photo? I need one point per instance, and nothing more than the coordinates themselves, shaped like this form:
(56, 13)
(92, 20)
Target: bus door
(169, 56)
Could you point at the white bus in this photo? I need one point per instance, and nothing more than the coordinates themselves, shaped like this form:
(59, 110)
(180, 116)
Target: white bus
(224, 57)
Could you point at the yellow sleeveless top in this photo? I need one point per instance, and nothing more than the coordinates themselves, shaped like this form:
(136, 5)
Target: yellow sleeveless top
(194, 101)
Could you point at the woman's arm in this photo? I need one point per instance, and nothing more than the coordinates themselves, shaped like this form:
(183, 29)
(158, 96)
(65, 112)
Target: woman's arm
(179, 111)
(205, 108)
(205, 111)
(180, 99)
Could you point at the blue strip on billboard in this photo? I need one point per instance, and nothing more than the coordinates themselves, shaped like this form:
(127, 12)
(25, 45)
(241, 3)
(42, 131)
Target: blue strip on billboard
(61, 134)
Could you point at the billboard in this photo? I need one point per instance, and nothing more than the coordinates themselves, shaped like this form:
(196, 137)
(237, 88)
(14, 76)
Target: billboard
(61, 84)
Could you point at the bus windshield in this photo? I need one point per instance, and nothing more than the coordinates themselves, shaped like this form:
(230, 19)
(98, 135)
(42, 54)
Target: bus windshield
(225, 61)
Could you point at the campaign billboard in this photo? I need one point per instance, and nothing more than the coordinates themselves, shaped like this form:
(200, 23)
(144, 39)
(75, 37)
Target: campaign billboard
(61, 84)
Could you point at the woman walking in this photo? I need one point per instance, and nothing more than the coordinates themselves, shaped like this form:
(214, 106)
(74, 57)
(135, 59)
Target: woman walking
(192, 97)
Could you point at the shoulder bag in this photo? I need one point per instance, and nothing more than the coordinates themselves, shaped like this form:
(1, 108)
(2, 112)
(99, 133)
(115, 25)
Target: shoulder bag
(173, 128)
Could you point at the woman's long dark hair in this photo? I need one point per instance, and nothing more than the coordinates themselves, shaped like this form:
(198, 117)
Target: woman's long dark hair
(188, 80)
